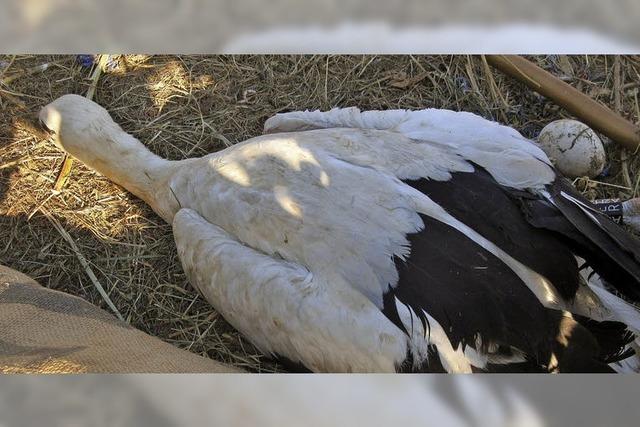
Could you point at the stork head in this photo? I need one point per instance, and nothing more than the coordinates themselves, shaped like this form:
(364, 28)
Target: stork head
(87, 132)
(81, 127)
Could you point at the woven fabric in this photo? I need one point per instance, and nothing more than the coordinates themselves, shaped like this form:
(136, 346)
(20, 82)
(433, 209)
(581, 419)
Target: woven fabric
(46, 331)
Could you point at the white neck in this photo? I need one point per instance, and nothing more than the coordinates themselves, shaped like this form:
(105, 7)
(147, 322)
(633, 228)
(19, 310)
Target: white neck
(127, 162)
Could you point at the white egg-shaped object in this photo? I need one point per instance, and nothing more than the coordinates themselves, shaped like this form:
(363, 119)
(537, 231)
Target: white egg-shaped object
(573, 147)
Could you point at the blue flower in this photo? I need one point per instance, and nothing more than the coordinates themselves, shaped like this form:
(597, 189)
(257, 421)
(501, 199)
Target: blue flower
(86, 60)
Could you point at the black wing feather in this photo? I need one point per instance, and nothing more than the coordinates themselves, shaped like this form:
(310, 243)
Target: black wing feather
(611, 251)
(472, 293)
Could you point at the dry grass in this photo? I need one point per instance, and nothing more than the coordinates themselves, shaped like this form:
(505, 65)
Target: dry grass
(192, 105)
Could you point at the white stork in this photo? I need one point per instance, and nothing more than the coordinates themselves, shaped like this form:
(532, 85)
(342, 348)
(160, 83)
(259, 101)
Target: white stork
(385, 241)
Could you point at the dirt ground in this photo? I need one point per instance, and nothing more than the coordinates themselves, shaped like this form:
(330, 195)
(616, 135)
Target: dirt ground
(187, 106)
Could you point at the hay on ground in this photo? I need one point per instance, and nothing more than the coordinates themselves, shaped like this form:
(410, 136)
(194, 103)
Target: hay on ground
(182, 106)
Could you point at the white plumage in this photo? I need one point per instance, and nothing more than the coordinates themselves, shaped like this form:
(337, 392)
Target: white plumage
(296, 237)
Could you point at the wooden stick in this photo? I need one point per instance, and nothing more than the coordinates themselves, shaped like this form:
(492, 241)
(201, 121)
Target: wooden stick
(67, 164)
(63, 173)
(28, 72)
(580, 105)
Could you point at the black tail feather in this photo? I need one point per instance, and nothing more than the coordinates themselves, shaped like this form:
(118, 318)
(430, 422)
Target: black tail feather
(610, 250)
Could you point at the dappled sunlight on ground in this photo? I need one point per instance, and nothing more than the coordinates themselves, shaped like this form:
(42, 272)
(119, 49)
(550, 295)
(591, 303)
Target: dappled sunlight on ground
(189, 106)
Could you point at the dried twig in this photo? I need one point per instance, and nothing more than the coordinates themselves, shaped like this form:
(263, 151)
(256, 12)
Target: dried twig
(67, 164)
(493, 87)
(617, 105)
(28, 72)
(83, 261)
(130, 250)
(582, 106)
(9, 96)
(7, 67)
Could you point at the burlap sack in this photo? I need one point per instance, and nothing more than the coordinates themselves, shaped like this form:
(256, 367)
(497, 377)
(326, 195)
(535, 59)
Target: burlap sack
(46, 331)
